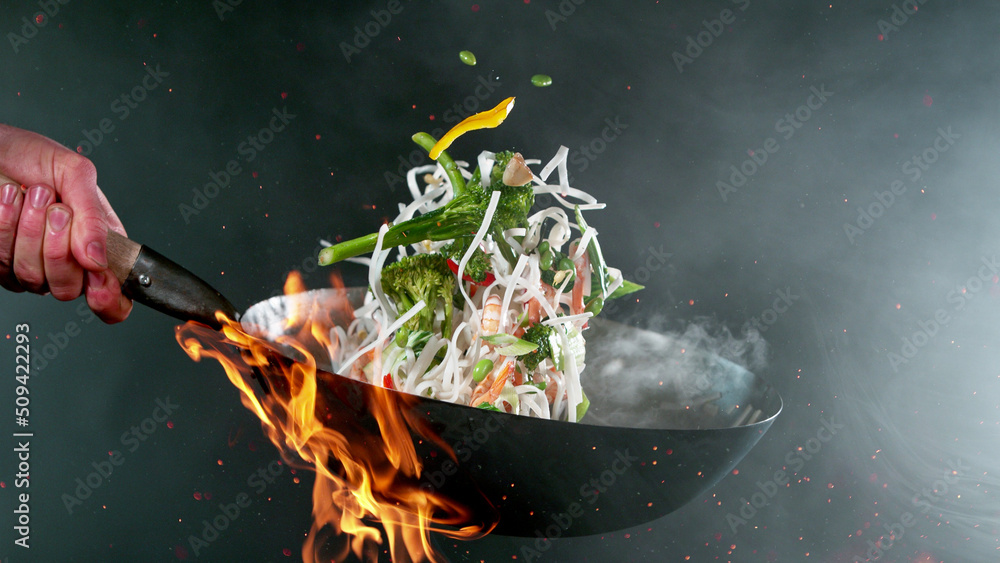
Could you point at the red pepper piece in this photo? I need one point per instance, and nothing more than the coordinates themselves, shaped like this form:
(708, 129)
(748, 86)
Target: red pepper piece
(490, 278)
(387, 381)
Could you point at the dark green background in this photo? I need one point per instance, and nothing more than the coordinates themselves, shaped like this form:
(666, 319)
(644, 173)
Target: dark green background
(322, 176)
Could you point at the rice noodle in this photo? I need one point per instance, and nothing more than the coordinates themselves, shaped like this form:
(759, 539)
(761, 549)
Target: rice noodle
(392, 328)
(560, 157)
(521, 262)
(443, 368)
(567, 319)
(487, 219)
(584, 241)
(485, 162)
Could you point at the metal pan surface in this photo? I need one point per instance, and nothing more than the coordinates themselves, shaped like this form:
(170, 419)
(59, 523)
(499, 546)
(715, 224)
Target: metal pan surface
(657, 435)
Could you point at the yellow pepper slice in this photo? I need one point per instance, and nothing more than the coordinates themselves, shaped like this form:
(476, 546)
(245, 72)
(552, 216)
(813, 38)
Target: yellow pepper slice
(483, 120)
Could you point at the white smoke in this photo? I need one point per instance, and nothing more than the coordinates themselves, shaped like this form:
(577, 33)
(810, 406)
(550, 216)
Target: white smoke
(697, 377)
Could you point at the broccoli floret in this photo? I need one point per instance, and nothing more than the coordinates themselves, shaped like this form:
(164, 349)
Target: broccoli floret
(538, 334)
(511, 212)
(458, 219)
(512, 208)
(421, 277)
(478, 265)
(515, 201)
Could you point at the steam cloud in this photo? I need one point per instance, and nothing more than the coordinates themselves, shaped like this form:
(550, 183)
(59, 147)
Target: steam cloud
(689, 378)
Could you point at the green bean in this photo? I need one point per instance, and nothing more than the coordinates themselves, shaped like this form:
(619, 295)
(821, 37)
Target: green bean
(543, 247)
(482, 368)
(541, 80)
(427, 142)
(567, 264)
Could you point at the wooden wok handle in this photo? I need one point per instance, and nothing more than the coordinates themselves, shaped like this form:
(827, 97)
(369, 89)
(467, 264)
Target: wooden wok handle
(122, 253)
(158, 282)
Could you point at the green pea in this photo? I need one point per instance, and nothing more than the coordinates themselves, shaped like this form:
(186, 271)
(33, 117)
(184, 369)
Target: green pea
(467, 58)
(567, 264)
(541, 80)
(543, 247)
(595, 306)
(545, 260)
(484, 367)
(402, 336)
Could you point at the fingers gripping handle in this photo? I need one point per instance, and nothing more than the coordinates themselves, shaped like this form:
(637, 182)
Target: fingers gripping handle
(155, 281)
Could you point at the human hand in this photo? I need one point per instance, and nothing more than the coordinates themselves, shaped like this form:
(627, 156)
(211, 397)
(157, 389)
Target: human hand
(53, 231)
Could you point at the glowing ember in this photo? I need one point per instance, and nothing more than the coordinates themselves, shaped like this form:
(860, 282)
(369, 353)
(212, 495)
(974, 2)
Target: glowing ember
(358, 438)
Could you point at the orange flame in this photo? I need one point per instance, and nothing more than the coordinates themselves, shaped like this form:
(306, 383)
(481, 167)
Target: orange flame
(317, 420)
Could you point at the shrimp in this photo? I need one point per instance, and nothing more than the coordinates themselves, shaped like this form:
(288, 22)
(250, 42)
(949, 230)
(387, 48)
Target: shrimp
(358, 367)
(491, 315)
(488, 391)
(551, 389)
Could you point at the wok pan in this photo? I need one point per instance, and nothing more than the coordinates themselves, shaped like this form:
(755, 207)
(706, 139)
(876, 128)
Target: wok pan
(651, 441)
